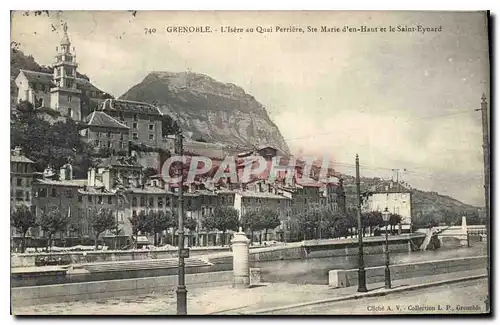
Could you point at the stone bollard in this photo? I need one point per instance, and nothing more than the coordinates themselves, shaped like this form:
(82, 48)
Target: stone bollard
(241, 269)
(255, 276)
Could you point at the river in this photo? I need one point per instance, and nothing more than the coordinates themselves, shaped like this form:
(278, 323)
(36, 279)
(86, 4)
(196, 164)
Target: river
(315, 270)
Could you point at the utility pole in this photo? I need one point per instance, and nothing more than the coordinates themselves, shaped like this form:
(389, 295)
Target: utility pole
(181, 286)
(486, 154)
(361, 266)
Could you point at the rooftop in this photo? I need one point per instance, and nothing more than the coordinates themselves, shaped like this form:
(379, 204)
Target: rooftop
(68, 183)
(99, 118)
(261, 195)
(118, 161)
(129, 106)
(20, 159)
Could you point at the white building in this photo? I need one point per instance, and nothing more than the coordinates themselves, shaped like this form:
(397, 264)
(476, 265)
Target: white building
(393, 196)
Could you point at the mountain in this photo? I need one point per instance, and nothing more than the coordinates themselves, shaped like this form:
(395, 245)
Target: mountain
(214, 111)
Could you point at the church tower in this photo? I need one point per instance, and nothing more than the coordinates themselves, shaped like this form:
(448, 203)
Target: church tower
(65, 97)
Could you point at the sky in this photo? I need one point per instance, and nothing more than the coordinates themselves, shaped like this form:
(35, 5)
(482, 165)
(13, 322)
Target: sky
(401, 100)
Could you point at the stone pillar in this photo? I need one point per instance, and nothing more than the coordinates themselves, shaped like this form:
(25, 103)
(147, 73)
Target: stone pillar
(464, 241)
(241, 269)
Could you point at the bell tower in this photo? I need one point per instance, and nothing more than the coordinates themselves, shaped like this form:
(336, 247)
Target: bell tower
(65, 96)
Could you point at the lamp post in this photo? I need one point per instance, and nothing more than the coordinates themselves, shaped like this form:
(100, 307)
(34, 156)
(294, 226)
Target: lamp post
(361, 263)
(385, 217)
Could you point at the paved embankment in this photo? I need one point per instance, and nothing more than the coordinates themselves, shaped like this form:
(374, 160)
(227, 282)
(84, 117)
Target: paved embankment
(280, 298)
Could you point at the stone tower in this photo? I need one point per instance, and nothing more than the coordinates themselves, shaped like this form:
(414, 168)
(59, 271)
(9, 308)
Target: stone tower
(65, 96)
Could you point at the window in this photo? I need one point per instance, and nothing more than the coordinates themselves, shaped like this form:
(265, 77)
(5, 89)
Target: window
(160, 202)
(134, 201)
(134, 125)
(121, 136)
(42, 192)
(110, 200)
(151, 202)
(120, 115)
(135, 118)
(19, 182)
(151, 127)
(135, 136)
(151, 136)
(19, 195)
(27, 196)
(167, 201)
(70, 99)
(80, 198)
(143, 201)
(108, 134)
(26, 170)
(99, 199)
(69, 194)
(54, 192)
(96, 143)
(109, 144)
(90, 199)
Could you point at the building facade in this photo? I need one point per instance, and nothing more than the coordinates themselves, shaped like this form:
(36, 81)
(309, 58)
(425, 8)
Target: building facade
(21, 179)
(104, 132)
(393, 196)
(143, 120)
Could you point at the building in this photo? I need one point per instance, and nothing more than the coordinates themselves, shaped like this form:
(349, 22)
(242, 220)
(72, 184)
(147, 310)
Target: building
(393, 196)
(143, 120)
(62, 89)
(104, 132)
(21, 178)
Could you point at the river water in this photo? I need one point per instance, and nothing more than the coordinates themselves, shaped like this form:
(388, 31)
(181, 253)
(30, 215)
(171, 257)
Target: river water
(315, 270)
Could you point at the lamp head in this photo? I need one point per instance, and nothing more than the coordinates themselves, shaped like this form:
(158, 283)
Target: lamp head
(385, 215)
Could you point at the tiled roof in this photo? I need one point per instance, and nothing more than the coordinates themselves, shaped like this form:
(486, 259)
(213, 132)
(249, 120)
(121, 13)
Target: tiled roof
(129, 106)
(73, 182)
(99, 118)
(261, 195)
(22, 159)
(389, 187)
(119, 161)
(148, 190)
(38, 77)
(96, 191)
(47, 79)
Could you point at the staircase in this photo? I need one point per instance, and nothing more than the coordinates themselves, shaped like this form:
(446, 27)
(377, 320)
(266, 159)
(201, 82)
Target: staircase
(143, 265)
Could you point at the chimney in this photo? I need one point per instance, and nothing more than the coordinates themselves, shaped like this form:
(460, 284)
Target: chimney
(18, 151)
(66, 173)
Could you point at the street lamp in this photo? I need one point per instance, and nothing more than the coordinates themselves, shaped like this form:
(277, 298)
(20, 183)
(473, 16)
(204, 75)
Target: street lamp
(385, 217)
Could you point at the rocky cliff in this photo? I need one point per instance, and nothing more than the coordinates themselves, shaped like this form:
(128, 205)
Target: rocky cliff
(214, 111)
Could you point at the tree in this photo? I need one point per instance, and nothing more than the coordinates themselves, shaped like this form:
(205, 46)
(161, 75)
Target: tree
(101, 221)
(394, 220)
(169, 126)
(251, 220)
(371, 220)
(308, 222)
(340, 226)
(270, 220)
(22, 218)
(190, 224)
(223, 218)
(52, 222)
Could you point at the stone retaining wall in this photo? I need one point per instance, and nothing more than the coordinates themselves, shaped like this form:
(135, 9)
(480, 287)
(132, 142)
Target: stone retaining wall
(37, 295)
(346, 278)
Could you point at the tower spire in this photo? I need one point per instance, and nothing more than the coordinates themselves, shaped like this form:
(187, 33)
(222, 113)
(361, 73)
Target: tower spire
(65, 40)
